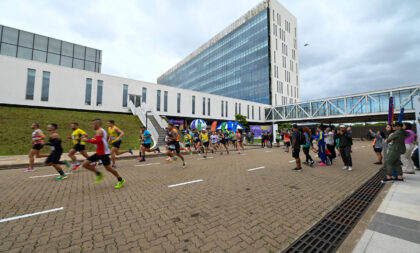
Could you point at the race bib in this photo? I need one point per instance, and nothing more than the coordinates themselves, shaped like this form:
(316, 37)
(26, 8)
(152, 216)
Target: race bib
(172, 146)
(52, 148)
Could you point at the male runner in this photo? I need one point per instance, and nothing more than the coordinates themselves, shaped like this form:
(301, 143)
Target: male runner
(102, 153)
(115, 136)
(187, 141)
(38, 138)
(146, 138)
(56, 152)
(78, 144)
(205, 139)
(196, 141)
(224, 141)
(174, 145)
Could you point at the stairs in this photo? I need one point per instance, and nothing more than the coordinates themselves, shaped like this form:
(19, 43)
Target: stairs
(161, 132)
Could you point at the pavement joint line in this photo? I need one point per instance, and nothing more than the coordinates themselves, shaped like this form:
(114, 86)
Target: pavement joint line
(189, 182)
(49, 175)
(141, 165)
(210, 157)
(258, 168)
(31, 214)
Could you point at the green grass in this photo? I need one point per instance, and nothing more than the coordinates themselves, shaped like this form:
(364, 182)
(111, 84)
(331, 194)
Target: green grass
(15, 131)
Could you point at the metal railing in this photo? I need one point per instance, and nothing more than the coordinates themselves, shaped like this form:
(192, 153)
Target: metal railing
(140, 112)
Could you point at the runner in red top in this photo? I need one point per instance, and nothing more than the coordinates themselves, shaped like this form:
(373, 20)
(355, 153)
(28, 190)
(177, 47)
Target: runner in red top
(102, 153)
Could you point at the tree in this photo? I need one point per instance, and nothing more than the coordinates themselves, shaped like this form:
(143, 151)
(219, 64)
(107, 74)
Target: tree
(242, 120)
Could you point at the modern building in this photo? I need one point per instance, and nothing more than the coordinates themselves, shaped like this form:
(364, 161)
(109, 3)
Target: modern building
(255, 58)
(30, 46)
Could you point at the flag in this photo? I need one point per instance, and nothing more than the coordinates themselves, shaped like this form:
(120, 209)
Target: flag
(391, 110)
(401, 117)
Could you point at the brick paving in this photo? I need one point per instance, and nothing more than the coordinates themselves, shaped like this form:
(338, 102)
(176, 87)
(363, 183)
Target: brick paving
(231, 210)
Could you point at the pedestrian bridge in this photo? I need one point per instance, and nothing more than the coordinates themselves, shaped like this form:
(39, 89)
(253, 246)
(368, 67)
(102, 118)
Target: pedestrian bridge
(368, 106)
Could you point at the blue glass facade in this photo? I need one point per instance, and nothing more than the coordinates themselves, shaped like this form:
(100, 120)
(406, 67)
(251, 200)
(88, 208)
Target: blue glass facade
(235, 66)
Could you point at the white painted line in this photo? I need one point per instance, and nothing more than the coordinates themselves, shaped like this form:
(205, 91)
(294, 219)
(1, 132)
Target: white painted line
(258, 168)
(363, 146)
(31, 214)
(292, 161)
(268, 151)
(50, 175)
(211, 157)
(190, 182)
(141, 165)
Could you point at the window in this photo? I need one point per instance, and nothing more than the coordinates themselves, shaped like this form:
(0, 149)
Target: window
(165, 101)
(67, 49)
(223, 107)
(193, 104)
(7, 49)
(144, 95)
(240, 108)
(30, 84)
(253, 112)
(226, 112)
(24, 53)
(247, 115)
(236, 108)
(208, 106)
(10, 35)
(158, 100)
(26, 39)
(53, 58)
(99, 91)
(204, 106)
(41, 42)
(178, 103)
(79, 52)
(45, 85)
(39, 56)
(259, 113)
(54, 46)
(125, 95)
(88, 92)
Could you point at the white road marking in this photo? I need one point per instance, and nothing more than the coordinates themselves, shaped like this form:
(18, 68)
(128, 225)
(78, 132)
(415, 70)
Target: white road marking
(141, 165)
(211, 157)
(190, 182)
(268, 151)
(258, 168)
(31, 214)
(292, 161)
(50, 175)
(363, 146)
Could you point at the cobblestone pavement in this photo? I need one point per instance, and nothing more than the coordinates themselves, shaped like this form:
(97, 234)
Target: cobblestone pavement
(231, 210)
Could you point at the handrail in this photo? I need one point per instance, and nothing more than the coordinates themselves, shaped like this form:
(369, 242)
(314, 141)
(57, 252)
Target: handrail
(162, 123)
(141, 114)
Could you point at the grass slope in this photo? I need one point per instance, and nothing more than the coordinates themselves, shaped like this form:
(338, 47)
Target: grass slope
(15, 131)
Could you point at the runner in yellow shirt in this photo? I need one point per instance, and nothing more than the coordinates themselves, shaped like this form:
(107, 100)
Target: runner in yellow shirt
(115, 136)
(205, 140)
(78, 144)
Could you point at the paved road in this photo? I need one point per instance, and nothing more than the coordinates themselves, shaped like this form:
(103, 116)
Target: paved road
(233, 209)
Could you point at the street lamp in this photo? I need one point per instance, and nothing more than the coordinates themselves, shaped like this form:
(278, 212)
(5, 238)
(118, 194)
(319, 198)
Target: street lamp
(147, 118)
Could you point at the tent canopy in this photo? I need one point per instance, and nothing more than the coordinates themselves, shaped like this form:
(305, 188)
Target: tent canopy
(230, 125)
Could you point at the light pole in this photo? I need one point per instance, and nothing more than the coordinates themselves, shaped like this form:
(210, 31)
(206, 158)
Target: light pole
(147, 112)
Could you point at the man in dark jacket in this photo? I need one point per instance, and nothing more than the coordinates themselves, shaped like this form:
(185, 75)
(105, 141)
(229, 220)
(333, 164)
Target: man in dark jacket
(396, 149)
(296, 146)
(345, 142)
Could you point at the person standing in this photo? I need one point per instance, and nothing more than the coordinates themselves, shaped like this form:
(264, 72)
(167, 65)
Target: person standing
(115, 136)
(78, 144)
(408, 165)
(296, 146)
(345, 142)
(306, 147)
(286, 140)
(396, 142)
(38, 138)
(102, 153)
(321, 145)
(329, 140)
(56, 151)
(278, 138)
(378, 144)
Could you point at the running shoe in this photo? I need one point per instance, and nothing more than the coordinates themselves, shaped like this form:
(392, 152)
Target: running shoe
(61, 177)
(184, 165)
(139, 158)
(94, 164)
(142, 160)
(130, 151)
(158, 149)
(120, 184)
(99, 178)
(312, 163)
(175, 158)
(297, 168)
(345, 168)
(168, 159)
(114, 166)
(205, 157)
(76, 167)
(350, 169)
(29, 170)
(67, 163)
(322, 164)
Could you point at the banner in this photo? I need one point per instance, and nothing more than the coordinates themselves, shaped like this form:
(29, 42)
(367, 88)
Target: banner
(416, 101)
(259, 130)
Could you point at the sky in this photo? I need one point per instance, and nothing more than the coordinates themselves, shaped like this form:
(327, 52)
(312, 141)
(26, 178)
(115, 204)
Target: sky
(354, 46)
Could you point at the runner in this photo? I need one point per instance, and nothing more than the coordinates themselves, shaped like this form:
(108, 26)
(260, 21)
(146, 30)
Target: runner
(56, 152)
(205, 140)
(78, 144)
(115, 136)
(232, 136)
(286, 140)
(278, 138)
(102, 153)
(187, 141)
(239, 144)
(224, 141)
(196, 141)
(146, 138)
(214, 139)
(38, 138)
(174, 145)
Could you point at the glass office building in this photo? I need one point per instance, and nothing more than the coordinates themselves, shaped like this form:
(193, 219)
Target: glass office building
(30, 46)
(237, 65)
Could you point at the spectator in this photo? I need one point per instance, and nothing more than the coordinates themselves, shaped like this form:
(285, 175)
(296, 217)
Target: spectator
(345, 142)
(378, 144)
(408, 165)
(396, 149)
(306, 147)
(321, 145)
(329, 140)
(286, 140)
(296, 146)
(252, 137)
(278, 138)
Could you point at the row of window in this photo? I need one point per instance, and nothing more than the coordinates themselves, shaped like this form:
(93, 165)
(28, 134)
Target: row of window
(284, 48)
(30, 85)
(293, 54)
(278, 18)
(287, 76)
(287, 25)
(204, 106)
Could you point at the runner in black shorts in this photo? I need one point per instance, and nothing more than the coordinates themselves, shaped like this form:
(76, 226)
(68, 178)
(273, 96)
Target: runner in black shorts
(38, 138)
(78, 144)
(174, 145)
(56, 151)
(224, 141)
